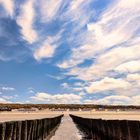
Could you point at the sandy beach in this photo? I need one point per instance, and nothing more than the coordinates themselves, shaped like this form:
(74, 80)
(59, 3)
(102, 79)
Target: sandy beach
(109, 115)
(67, 128)
(12, 116)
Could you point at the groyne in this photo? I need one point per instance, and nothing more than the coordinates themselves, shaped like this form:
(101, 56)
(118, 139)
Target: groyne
(98, 129)
(37, 129)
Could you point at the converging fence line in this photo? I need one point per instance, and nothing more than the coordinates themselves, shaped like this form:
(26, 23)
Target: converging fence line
(37, 129)
(99, 129)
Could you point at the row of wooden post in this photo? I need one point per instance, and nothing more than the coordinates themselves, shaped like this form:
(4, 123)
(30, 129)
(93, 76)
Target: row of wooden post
(37, 129)
(99, 129)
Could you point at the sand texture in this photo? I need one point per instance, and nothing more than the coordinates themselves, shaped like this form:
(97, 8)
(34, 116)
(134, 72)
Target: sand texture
(110, 115)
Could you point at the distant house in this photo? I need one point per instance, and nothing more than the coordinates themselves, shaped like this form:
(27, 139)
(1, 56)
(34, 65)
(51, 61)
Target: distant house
(27, 109)
(74, 109)
(86, 109)
(58, 109)
(5, 109)
(100, 109)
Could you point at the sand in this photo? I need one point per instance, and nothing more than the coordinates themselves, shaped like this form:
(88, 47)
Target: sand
(67, 129)
(109, 115)
(15, 116)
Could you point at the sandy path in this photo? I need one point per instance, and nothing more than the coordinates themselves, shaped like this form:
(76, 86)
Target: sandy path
(67, 130)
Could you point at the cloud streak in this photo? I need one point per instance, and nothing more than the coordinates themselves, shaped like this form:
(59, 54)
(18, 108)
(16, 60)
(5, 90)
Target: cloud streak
(8, 6)
(26, 21)
(110, 30)
(49, 9)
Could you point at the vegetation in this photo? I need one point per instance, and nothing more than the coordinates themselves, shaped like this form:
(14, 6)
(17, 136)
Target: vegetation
(65, 106)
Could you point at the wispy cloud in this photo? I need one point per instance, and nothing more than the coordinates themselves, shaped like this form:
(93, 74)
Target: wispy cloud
(44, 51)
(65, 85)
(113, 49)
(94, 44)
(78, 56)
(78, 12)
(135, 79)
(55, 77)
(49, 9)
(8, 6)
(48, 47)
(26, 21)
(6, 88)
(111, 30)
(108, 61)
(2, 100)
(129, 67)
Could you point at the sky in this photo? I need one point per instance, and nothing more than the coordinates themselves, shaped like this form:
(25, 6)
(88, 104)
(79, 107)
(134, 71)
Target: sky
(70, 51)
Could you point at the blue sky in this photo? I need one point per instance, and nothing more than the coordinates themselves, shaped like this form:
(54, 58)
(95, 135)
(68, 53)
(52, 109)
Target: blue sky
(61, 51)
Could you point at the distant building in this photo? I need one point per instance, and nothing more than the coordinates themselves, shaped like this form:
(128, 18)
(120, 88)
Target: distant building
(100, 109)
(27, 109)
(58, 109)
(86, 109)
(5, 109)
(74, 110)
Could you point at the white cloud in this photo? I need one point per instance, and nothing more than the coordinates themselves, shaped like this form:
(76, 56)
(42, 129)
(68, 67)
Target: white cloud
(129, 67)
(31, 91)
(78, 89)
(47, 48)
(45, 51)
(135, 78)
(78, 12)
(8, 97)
(107, 62)
(4, 100)
(57, 98)
(55, 77)
(112, 46)
(114, 100)
(78, 84)
(26, 20)
(49, 9)
(77, 57)
(82, 93)
(5, 88)
(65, 85)
(111, 29)
(9, 6)
(136, 100)
(107, 84)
